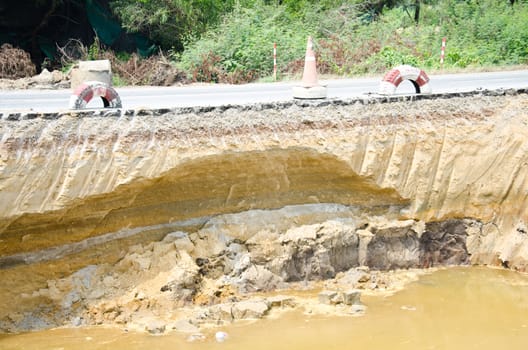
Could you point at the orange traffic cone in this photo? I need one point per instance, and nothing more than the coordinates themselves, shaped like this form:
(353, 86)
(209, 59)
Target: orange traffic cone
(309, 77)
(310, 88)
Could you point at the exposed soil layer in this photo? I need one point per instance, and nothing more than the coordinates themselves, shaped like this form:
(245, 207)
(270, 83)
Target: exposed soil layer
(147, 218)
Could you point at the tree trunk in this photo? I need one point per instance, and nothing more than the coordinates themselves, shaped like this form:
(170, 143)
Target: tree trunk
(416, 11)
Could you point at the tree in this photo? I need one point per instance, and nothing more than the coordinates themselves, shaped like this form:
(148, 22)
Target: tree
(170, 22)
(375, 7)
(37, 25)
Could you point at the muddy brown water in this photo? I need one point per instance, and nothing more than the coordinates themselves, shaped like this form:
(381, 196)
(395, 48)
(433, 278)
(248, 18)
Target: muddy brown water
(456, 308)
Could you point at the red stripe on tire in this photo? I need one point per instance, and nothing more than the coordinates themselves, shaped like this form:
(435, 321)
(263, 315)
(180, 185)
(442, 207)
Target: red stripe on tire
(86, 91)
(405, 72)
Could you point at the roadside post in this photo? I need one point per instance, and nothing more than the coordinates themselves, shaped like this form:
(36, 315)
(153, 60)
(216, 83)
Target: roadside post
(274, 61)
(442, 52)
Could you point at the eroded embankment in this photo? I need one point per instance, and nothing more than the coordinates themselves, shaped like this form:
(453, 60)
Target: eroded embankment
(114, 219)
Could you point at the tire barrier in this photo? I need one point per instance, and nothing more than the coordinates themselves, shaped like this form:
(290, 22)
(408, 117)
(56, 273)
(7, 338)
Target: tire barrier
(87, 90)
(394, 77)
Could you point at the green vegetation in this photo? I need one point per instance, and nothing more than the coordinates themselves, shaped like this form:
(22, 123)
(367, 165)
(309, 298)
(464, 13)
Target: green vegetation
(169, 22)
(241, 47)
(232, 41)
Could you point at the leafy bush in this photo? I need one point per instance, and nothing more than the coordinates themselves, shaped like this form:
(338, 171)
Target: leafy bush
(484, 32)
(244, 43)
(169, 22)
(389, 57)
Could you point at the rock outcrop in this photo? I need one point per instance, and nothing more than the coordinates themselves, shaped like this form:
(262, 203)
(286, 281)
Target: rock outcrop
(111, 219)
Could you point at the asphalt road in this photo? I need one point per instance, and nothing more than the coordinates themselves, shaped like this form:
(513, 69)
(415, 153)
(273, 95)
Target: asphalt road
(215, 95)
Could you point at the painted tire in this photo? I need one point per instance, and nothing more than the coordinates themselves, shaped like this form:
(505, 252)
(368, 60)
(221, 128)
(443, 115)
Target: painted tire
(87, 90)
(394, 77)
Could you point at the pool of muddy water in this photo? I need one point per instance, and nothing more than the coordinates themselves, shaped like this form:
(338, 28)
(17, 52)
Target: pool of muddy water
(455, 308)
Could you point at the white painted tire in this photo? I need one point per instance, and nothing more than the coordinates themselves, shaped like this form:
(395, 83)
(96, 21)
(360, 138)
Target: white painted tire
(90, 89)
(395, 76)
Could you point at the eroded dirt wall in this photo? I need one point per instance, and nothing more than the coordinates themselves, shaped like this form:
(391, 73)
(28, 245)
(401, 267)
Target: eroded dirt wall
(81, 190)
(447, 158)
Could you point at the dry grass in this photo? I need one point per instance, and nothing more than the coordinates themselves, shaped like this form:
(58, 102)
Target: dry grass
(155, 70)
(15, 63)
(210, 70)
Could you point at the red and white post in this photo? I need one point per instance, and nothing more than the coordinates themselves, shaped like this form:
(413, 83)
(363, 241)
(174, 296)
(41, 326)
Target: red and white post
(442, 52)
(274, 61)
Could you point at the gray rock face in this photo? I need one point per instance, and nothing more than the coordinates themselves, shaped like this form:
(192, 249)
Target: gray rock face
(211, 268)
(444, 243)
(393, 248)
(257, 278)
(316, 252)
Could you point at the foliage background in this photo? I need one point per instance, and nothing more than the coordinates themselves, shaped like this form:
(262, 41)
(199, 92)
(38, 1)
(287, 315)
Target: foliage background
(232, 41)
(354, 37)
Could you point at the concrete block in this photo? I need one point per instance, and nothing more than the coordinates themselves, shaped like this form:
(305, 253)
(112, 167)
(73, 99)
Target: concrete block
(91, 71)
